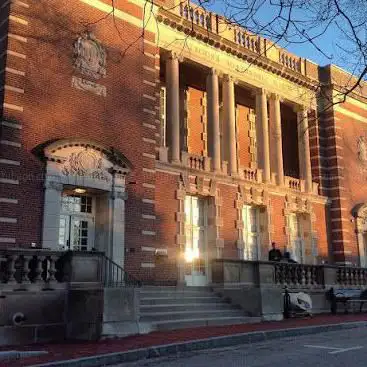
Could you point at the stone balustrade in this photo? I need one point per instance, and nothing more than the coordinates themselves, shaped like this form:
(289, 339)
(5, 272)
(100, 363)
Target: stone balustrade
(293, 183)
(250, 174)
(40, 269)
(24, 268)
(249, 41)
(281, 274)
(351, 276)
(298, 275)
(219, 25)
(196, 14)
(196, 162)
(290, 61)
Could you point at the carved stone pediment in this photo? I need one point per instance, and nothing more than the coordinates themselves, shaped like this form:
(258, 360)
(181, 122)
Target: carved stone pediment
(73, 157)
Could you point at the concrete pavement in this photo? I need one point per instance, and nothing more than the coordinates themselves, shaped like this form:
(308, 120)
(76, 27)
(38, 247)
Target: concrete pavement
(336, 349)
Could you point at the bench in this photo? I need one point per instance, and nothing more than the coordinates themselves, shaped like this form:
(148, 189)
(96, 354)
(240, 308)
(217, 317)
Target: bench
(347, 297)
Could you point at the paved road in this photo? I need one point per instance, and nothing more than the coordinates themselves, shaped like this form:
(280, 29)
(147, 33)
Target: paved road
(332, 349)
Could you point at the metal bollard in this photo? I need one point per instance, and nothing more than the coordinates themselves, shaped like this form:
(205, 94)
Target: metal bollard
(286, 303)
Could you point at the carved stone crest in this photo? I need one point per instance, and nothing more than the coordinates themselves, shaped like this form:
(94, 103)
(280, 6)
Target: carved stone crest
(362, 149)
(85, 163)
(89, 56)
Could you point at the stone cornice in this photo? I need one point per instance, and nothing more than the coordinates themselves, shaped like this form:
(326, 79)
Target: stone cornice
(193, 30)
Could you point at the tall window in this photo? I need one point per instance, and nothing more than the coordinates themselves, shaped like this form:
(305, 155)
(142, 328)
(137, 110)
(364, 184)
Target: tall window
(250, 217)
(192, 227)
(296, 238)
(163, 114)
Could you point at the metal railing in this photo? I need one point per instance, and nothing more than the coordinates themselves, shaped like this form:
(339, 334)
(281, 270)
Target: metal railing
(113, 275)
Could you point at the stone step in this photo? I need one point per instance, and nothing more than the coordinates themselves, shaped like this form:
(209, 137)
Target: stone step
(145, 301)
(173, 294)
(185, 307)
(182, 315)
(154, 288)
(204, 321)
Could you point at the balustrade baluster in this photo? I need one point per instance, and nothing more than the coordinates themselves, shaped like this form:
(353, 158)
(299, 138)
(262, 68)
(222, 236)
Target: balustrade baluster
(26, 271)
(346, 276)
(338, 276)
(38, 269)
(305, 274)
(51, 269)
(12, 269)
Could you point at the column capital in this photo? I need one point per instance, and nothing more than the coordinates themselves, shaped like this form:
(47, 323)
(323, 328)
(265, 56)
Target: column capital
(276, 97)
(173, 55)
(300, 109)
(213, 71)
(259, 92)
(229, 78)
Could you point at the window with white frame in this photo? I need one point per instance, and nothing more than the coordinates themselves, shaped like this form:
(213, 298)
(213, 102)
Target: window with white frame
(163, 114)
(251, 220)
(296, 238)
(192, 227)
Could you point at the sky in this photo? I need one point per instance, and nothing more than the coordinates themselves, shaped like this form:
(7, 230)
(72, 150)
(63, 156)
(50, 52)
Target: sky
(328, 42)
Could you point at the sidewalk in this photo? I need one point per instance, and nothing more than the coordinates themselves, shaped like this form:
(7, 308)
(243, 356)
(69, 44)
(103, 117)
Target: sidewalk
(69, 350)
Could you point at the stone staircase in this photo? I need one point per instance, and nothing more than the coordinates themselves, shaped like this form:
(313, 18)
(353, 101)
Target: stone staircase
(169, 308)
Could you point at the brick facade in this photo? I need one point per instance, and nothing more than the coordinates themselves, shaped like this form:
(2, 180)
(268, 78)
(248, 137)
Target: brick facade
(40, 104)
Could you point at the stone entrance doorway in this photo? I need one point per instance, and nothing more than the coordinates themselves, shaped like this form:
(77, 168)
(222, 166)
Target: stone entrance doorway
(85, 197)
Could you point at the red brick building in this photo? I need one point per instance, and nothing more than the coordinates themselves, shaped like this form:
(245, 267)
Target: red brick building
(167, 139)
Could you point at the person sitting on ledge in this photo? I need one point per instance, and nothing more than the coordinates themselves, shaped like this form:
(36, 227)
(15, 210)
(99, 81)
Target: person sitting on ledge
(274, 253)
(287, 256)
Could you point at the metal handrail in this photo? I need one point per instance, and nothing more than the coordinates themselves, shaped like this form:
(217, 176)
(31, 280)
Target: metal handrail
(114, 275)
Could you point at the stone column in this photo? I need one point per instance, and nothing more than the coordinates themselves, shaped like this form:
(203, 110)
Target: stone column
(212, 90)
(304, 148)
(275, 120)
(51, 215)
(262, 127)
(173, 105)
(230, 119)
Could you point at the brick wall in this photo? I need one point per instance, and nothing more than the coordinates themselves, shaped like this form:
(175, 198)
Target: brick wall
(289, 141)
(229, 232)
(244, 104)
(166, 208)
(320, 229)
(278, 235)
(4, 24)
(50, 108)
(352, 173)
(196, 122)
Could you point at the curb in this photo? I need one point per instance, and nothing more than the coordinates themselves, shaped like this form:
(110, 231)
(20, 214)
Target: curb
(196, 345)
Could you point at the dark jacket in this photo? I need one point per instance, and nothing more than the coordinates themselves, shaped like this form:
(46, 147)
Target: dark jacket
(275, 255)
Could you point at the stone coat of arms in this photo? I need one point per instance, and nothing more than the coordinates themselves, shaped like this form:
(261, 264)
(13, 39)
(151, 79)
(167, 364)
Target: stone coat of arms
(85, 163)
(89, 56)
